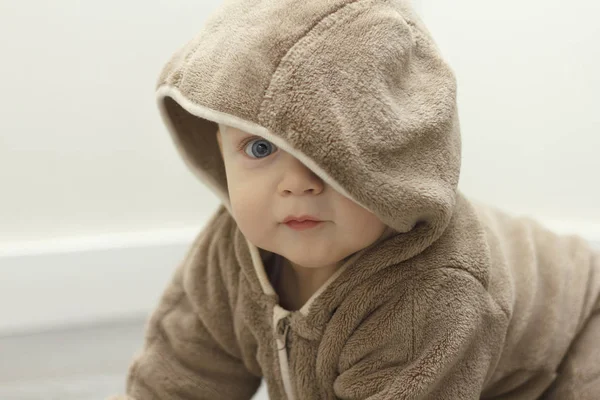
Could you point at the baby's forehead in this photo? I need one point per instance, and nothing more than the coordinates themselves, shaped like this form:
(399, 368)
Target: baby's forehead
(232, 131)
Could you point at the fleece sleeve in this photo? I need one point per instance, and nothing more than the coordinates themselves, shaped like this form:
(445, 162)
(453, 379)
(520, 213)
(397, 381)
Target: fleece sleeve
(438, 339)
(190, 350)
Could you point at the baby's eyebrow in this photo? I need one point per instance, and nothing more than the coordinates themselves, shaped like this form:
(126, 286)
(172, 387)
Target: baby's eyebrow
(240, 134)
(249, 136)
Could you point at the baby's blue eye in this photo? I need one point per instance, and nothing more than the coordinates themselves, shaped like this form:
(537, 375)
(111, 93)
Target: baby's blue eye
(259, 148)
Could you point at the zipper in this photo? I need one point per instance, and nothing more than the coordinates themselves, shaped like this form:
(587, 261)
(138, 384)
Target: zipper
(282, 332)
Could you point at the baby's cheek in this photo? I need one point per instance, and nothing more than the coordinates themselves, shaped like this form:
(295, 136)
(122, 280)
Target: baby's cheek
(249, 212)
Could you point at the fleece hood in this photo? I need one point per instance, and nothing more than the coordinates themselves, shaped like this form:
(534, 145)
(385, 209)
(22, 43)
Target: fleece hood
(356, 90)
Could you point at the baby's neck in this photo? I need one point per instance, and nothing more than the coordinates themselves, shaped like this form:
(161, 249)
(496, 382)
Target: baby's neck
(297, 284)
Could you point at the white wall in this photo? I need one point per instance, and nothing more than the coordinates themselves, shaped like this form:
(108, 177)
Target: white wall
(85, 163)
(528, 87)
(82, 149)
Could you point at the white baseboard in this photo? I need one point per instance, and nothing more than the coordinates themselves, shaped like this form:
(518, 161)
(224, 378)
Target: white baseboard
(51, 284)
(588, 230)
(86, 280)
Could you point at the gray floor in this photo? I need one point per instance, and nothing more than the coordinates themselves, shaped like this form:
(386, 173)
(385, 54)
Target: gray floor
(81, 363)
(86, 363)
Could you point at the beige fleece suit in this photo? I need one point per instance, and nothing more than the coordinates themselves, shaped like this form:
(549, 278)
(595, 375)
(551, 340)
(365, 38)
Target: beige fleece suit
(456, 300)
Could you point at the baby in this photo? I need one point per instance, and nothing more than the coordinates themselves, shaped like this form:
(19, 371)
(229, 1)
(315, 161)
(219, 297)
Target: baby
(343, 261)
(265, 193)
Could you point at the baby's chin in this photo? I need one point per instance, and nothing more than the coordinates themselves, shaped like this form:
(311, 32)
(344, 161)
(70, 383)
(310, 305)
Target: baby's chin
(313, 260)
(302, 257)
(310, 251)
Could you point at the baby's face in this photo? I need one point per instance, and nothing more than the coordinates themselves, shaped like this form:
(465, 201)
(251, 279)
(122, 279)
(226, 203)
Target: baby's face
(266, 184)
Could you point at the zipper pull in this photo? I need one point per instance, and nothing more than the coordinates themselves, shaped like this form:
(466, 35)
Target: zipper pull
(283, 327)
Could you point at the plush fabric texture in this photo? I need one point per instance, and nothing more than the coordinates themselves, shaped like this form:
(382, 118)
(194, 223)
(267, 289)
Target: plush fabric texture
(456, 300)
